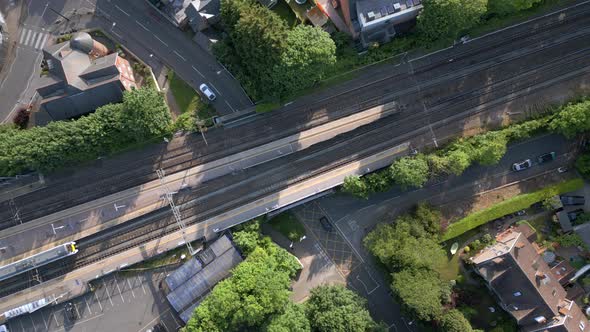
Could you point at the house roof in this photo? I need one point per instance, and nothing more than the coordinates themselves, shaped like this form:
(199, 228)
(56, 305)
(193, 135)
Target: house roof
(372, 12)
(525, 284)
(564, 221)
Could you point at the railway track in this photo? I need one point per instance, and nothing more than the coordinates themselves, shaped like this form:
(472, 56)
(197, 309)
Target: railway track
(182, 156)
(362, 142)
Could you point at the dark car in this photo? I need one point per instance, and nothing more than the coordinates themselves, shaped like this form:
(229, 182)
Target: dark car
(573, 215)
(572, 200)
(71, 311)
(547, 157)
(326, 224)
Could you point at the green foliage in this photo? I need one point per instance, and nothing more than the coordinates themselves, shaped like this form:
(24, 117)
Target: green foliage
(271, 60)
(448, 18)
(247, 235)
(511, 205)
(292, 320)
(504, 7)
(421, 292)
(355, 186)
(551, 202)
(489, 148)
(410, 171)
(570, 240)
(454, 321)
(257, 290)
(287, 224)
(141, 116)
(583, 165)
(572, 119)
(337, 309)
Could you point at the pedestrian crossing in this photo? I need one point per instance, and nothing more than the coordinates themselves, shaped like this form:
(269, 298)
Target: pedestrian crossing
(32, 38)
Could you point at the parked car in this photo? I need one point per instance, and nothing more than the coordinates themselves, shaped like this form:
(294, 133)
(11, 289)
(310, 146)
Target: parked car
(520, 213)
(546, 157)
(562, 169)
(207, 92)
(326, 224)
(573, 215)
(71, 311)
(522, 165)
(572, 200)
(3, 328)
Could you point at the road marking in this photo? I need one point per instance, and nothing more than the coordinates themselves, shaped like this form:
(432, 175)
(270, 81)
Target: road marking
(118, 35)
(118, 288)
(141, 283)
(213, 86)
(233, 110)
(161, 41)
(124, 12)
(22, 36)
(195, 69)
(43, 42)
(77, 311)
(180, 56)
(129, 283)
(39, 39)
(44, 322)
(108, 294)
(55, 318)
(141, 25)
(98, 301)
(341, 233)
(28, 36)
(87, 306)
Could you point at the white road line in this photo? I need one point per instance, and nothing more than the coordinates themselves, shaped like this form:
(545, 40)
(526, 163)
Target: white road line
(22, 35)
(195, 69)
(141, 283)
(44, 41)
(180, 56)
(77, 311)
(98, 301)
(213, 86)
(32, 323)
(141, 25)
(28, 36)
(161, 41)
(118, 35)
(55, 318)
(39, 39)
(87, 306)
(124, 12)
(233, 110)
(132, 293)
(44, 322)
(108, 294)
(120, 294)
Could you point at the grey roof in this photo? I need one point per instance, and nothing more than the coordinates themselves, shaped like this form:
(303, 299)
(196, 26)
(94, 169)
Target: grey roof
(188, 313)
(101, 67)
(192, 282)
(564, 221)
(386, 10)
(82, 41)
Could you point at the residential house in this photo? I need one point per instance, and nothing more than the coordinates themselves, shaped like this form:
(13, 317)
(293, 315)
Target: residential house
(202, 13)
(82, 77)
(526, 287)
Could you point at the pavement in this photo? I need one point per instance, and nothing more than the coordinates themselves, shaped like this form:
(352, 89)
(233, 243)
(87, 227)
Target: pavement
(121, 302)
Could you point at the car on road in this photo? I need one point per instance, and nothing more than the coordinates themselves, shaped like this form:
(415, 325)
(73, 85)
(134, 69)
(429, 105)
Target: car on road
(71, 311)
(572, 200)
(326, 224)
(207, 92)
(522, 165)
(546, 157)
(562, 169)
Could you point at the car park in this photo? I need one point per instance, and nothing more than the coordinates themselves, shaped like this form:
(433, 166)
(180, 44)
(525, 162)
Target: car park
(546, 157)
(326, 224)
(71, 311)
(207, 92)
(522, 165)
(572, 200)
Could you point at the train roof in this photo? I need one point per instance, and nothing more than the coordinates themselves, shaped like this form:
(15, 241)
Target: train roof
(36, 260)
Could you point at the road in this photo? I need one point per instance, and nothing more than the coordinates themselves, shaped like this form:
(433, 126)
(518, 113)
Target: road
(446, 120)
(137, 26)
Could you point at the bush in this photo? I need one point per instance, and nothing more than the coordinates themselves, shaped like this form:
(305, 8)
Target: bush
(353, 184)
(410, 171)
(511, 205)
(570, 240)
(454, 321)
(21, 119)
(583, 165)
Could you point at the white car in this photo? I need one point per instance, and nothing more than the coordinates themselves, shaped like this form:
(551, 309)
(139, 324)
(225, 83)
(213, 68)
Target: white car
(207, 92)
(520, 166)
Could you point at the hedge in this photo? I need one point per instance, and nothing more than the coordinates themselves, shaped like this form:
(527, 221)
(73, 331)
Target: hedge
(511, 205)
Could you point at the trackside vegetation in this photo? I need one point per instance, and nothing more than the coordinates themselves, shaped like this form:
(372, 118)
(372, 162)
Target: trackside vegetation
(256, 296)
(484, 149)
(142, 116)
(511, 205)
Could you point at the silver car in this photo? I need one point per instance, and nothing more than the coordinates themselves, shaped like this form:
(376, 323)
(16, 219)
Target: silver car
(207, 92)
(520, 166)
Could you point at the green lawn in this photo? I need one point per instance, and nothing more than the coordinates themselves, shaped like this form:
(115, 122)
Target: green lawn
(266, 107)
(287, 224)
(189, 101)
(511, 205)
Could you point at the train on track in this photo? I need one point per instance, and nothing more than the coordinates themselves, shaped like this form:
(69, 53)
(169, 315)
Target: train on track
(37, 260)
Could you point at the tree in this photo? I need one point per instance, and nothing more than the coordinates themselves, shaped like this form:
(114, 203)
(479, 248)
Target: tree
(458, 161)
(144, 114)
(421, 292)
(247, 235)
(410, 171)
(583, 165)
(353, 184)
(377, 182)
(573, 119)
(489, 148)
(335, 309)
(256, 291)
(448, 18)
(292, 320)
(454, 321)
(504, 7)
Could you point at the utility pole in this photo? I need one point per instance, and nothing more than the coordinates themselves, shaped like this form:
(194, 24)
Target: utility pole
(175, 210)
